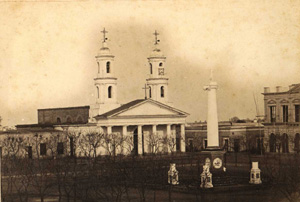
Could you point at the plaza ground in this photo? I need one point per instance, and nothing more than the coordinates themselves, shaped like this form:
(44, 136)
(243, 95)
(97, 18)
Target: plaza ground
(233, 185)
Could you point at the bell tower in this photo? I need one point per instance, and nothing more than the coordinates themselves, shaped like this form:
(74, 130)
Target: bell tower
(105, 81)
(157, 81)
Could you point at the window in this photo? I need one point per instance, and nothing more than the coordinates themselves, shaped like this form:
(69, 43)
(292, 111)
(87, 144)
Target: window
(162, 92)
(161, 64)
(109, 92)
(297, 113)
(296, 141)
(60, 148)
(43, 149)
(285, 113)
(29, 152)
(285, 143)
(98, 67)
(273, 114)
(108, 67)
(98, 93)
(71, 146)
(272, 142)
(150, 92)
(226, 143)
(205, 143)
(58, 120)
(151, 69)
(236, 145)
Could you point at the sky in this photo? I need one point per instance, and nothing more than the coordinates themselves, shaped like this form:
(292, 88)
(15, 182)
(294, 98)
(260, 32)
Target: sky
(47, 52)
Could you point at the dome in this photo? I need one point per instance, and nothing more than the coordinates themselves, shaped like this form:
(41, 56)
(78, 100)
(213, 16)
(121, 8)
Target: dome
(156, 53)
(104, 50)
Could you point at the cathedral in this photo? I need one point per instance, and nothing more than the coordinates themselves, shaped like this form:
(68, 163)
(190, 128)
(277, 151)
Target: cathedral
(141, 126)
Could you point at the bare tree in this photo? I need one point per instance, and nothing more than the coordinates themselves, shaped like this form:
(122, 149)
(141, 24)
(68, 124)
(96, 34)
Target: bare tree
(90, 142)
(155, 141)
(12, 145)
(41, 169)
(284, 175)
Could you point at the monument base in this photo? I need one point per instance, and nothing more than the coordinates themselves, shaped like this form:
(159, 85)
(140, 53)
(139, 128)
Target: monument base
(216, 156)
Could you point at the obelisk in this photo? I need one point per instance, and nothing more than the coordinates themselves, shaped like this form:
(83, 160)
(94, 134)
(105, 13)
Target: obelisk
(213, 150)
(212, 115)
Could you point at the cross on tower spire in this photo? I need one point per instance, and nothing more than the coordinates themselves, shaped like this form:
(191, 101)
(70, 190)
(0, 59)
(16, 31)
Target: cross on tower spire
(104, 32)
(156, 40)
(146, 90)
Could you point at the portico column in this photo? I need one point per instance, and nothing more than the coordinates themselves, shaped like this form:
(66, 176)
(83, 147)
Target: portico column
(109, 130)
(182, 138)
(125, 140)
(169, 138)
(152, 140)
(174, 138)
(140, 140)
(109, 149)
(154, 129)
(146, 142)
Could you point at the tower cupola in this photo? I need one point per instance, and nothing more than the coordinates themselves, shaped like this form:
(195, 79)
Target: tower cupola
(157, 81)
(105, 81)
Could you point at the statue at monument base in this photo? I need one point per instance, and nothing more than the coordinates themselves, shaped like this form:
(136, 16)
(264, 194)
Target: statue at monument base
(173, 175)
(206, 176)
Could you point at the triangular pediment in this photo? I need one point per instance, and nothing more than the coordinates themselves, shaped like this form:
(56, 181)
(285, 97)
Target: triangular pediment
(148, 109)
(143, 108)
(271, 102)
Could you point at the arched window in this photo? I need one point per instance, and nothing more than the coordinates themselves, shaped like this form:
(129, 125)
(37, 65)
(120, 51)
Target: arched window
(110, 92)
(285, 143)
(272, 143)
(108, 67)
(162, 91)
(98, 93)
(69, 120)
(58, 120)
(79, 119)
(296, 140)
(151, 69)
(161, 64)
(150, 92)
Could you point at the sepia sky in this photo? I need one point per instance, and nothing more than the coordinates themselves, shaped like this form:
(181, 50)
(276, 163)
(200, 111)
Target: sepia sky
(47, 52)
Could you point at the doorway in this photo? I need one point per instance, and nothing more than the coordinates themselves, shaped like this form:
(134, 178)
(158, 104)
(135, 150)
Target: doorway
(236, 145)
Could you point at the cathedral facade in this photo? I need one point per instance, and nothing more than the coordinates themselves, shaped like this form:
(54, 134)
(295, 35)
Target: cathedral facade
(141, 126)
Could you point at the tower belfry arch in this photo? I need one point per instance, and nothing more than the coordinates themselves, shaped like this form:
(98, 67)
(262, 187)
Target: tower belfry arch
(105, 81)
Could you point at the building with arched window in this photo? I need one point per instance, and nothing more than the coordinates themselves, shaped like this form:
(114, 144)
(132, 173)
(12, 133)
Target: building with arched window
(282, 118)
